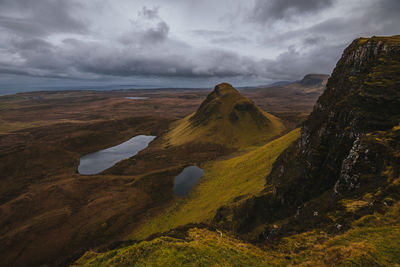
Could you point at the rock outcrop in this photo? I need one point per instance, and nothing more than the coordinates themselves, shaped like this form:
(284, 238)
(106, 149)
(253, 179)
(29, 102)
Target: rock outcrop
(349, 146)
(314, 80)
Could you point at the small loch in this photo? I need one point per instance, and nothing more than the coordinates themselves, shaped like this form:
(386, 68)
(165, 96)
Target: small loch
(99, 161)
(136, 97)
(188, 178)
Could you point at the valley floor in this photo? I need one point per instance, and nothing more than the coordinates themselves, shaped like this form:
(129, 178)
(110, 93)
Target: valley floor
(51, 214)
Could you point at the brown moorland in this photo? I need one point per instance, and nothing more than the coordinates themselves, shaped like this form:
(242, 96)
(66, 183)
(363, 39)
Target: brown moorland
(49, 213)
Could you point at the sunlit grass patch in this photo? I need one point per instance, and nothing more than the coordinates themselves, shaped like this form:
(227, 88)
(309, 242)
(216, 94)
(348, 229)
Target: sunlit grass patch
(201, 248)
(224, 180)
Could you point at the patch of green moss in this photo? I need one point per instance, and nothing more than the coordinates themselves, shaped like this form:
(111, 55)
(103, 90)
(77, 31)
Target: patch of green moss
(376, 242)
(201, 248)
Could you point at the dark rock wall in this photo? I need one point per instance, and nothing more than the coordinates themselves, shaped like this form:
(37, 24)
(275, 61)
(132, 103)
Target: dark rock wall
(337, 153)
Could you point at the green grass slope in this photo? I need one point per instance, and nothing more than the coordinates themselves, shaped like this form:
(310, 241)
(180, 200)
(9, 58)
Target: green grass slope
(223, 181)
(200, 247)
(374, 240)
(226, 118)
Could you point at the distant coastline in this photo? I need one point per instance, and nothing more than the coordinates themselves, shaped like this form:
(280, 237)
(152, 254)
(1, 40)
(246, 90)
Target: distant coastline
(11, 91)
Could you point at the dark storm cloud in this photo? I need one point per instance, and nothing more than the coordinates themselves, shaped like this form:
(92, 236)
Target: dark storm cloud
(40, 57)
(171, 59)
(318, 47)
(149, 13)
(220, 37)
(147, 45)
(313, 40)
(9, 70)
(155, 32)
(384, 16)
(146, 49)
(229, 39)
(341, 30)
(272, 10)
(294, 64)
(209, 33)
(40, 17)
(386, 8)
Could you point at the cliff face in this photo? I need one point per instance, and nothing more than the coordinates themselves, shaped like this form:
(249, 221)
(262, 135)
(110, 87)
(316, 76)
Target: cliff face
(362, 96)
(349, 145)
(314, 80)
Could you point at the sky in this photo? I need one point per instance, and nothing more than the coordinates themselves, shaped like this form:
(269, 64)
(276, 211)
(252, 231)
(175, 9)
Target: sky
(179, 43)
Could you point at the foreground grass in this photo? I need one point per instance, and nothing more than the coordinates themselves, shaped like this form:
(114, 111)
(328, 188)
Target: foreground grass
(376, 243)
(373, 240)
(224, 180)
(200, 248)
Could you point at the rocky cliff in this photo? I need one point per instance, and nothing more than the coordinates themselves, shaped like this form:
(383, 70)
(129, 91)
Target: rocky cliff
(314, 80)
(349, 148)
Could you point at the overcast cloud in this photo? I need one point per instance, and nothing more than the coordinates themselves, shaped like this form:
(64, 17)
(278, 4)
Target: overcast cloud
(180, 43)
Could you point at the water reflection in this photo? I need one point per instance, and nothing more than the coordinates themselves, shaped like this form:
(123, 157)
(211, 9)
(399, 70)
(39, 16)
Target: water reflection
(184, 182)
(99, 161)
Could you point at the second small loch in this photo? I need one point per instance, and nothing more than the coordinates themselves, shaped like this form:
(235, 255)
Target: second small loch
(188, 178)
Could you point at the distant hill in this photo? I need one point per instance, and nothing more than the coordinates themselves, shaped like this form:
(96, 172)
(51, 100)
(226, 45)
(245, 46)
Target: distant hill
(314, 80)
(308, 80)
(280, 83)
(225, 117)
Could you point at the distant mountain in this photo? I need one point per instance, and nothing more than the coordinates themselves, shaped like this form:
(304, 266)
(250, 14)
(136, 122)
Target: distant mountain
(225, 117)
(308, 80)
(280, 83)
(314, 80)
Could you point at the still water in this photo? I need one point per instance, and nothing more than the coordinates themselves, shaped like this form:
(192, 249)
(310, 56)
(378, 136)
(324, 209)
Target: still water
(184, 182)
(99, 161)
(136, 97)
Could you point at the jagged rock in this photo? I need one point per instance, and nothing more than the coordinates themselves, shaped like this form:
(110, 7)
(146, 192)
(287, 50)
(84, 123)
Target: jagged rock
(345, 144)
(314, 80)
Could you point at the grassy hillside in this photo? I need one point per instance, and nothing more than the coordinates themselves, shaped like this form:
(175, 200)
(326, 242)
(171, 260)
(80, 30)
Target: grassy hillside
(200, 247)
(224, 180)
(374, 240)
(227, 118)
(331, 199)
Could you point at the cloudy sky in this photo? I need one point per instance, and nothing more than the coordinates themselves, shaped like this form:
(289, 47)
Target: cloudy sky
(180, 43)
